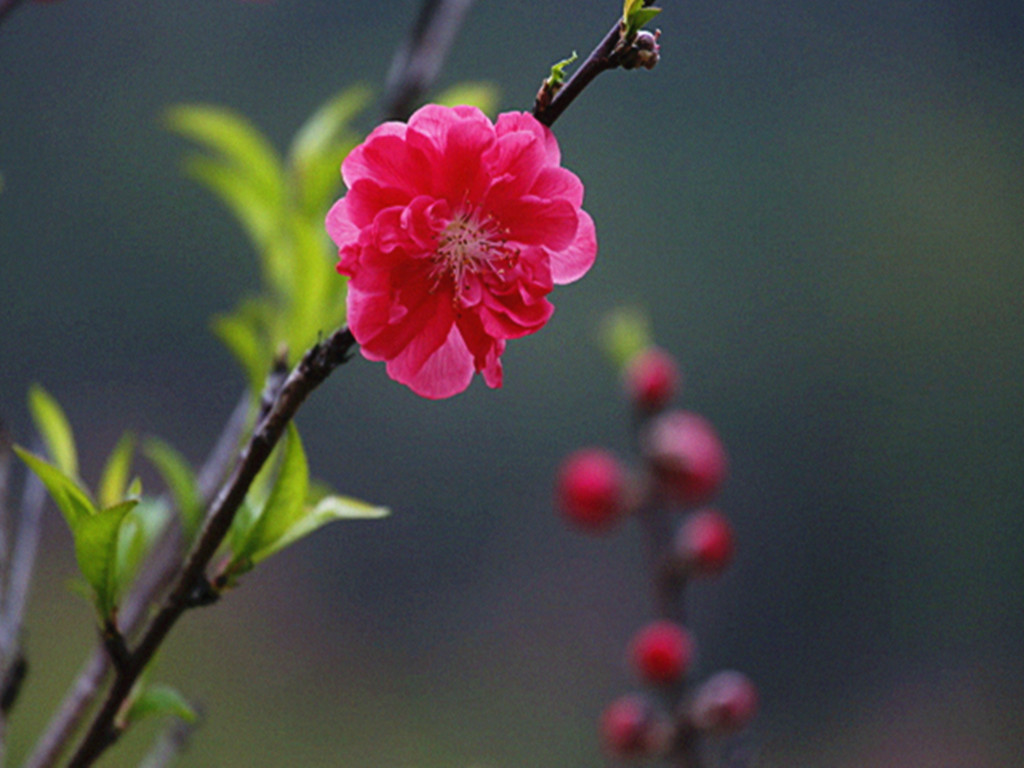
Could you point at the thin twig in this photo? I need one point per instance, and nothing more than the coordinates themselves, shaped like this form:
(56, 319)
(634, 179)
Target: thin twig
(6, 6)
(614, 50)
(5, 514)
(23, 558)
(600, 60)
(416, 65)
(315, 366)
(162, 565)
(172, 742)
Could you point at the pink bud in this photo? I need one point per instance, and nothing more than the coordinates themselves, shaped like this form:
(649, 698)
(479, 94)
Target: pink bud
(686, 455)
(704, 543)
(651, 379)
(661, 652)
(727, 701)
(631, 728)
(591, 489)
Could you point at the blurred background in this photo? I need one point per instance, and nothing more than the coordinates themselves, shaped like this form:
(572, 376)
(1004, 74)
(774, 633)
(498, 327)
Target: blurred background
(820, 204)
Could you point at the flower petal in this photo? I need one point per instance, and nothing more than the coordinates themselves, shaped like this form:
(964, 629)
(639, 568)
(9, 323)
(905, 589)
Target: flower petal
(453, 233)
(524, 121)
(448, 371)
(572, 262)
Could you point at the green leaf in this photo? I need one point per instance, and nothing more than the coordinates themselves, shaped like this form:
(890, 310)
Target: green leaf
(97, 541)
(326, 511)
(232, 137)
(160, 700)
(328, 124)
(114, 480)
(625, 332)
(635, 15)
(139, 532)
(180, 480)
(320, 145)
(246, 333)
(69, 497)
(53, 427)
(483, 95)
(286, 502)
(258, 212)
(557, 76)
(317, 303)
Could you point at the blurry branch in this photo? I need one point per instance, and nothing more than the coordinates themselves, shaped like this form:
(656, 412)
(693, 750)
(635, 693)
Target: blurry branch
(23, 559)
(172, 742)
(16, 568)
(616, 49)
(417, 63)
(163, 564)
(6, 6)
(5, 515)
(191, 586)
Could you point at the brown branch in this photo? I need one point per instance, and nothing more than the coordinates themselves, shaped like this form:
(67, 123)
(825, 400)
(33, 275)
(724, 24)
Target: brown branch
(616, 49)
(161, 567)
(416, 65)
(6, 6)
(172, 742)
(600, 60)
(315, 366)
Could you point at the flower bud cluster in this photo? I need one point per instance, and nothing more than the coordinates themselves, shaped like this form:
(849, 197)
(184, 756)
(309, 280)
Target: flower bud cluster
(683, 467)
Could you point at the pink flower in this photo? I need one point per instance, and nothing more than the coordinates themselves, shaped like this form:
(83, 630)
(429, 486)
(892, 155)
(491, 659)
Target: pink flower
(453, 232)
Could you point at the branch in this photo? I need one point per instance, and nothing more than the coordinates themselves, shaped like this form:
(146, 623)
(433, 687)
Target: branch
(615, 50)
(6, 6)
(173, 741)
(417, 63)
(161, 567)
(315, 366)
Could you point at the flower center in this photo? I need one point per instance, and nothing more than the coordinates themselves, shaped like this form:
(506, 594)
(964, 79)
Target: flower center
(467, 247)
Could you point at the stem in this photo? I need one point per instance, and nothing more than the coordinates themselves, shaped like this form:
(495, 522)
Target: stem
(416, 65)
(171, 744)
(615, 50)
(312, 370)
(161, 567)
(6, 6)
(601, 59)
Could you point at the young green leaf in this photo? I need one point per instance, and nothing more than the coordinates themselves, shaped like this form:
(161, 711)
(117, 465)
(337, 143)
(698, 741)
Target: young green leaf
(114, 480)
(71, 500)
(97, 541)
(244, 333)
(624, 332)
(320, 145)
(139, 532)
(483, 95)
(53, 427)
(557, 76)
(326, 511)
(258, 212)
(160, 700)
(232, 137)
(286, 502)
(635, 15)
(180, 481)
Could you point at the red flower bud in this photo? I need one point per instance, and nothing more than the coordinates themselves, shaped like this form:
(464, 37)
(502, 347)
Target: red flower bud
(591, 489)
(661, 652)
(651, 379)
(727, 701)
(631, 728)
(686, 455)
(704, 543)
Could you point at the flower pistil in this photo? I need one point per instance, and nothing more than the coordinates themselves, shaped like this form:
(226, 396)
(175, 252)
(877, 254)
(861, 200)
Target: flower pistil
(467, 247)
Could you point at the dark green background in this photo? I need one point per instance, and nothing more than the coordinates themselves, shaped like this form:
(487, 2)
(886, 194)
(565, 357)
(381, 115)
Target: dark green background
(821, 204)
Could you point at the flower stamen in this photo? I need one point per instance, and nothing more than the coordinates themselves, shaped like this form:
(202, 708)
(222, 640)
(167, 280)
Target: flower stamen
(468, 247)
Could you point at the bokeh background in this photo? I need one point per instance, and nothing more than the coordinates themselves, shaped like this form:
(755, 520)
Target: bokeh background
(820, 204)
